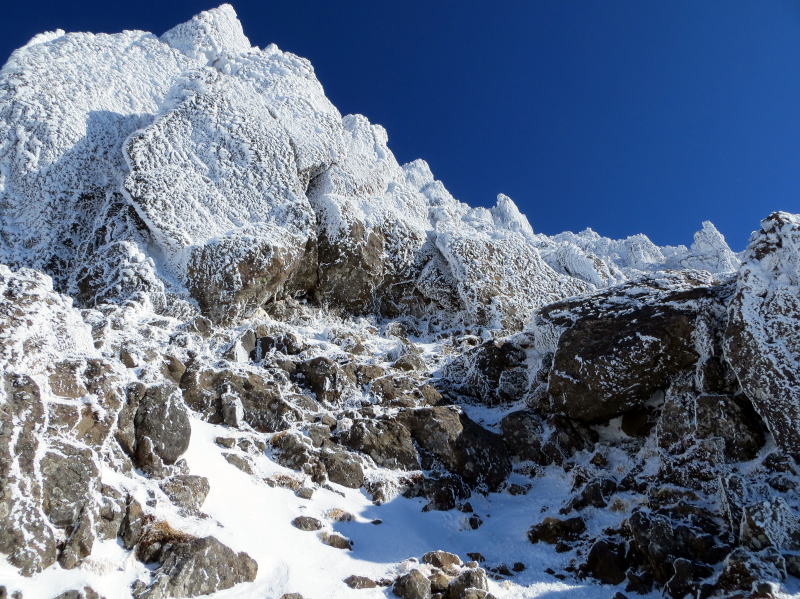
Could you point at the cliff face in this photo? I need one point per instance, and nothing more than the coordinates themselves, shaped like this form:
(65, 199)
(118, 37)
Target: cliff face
(243, 348)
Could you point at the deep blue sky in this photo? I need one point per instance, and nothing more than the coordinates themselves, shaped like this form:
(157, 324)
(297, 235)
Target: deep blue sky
(624, 115)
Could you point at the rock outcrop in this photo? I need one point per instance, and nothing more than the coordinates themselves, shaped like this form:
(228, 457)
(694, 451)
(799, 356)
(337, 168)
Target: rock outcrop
(762, 342)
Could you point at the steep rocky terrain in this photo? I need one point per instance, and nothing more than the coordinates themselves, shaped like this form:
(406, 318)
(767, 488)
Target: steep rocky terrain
(246, 353)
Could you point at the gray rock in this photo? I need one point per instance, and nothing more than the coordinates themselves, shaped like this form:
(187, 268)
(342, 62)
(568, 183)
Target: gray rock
(161, 418)
(186, 490)
(413, 585)
(386, 441)
(463, 447)
(198, 567)
(306, 523)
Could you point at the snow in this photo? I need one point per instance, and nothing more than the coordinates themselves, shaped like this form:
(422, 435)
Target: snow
(250, 512)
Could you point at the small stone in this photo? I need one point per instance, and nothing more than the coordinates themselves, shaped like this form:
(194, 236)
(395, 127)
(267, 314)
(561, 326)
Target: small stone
(304, 492)
(474, 578)
(360, 582)
(306, 523)
(336, 541)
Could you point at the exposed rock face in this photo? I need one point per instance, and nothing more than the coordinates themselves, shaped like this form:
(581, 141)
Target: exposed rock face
(762, 342)
(263, 406)
(463, 447)
(198, 567)
(162, 425)
(27, 537)
(621, 346)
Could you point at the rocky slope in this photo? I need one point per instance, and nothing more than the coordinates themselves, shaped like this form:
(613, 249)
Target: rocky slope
(245, 352)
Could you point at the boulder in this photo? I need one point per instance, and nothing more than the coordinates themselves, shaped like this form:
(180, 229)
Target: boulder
(386, 441)
(198, 566)
(463, 447)
(214, 393)
(161, 424)
(413, 585)
(618, 347)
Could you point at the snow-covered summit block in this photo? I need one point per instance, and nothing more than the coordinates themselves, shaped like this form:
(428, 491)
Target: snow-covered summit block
(209, 35)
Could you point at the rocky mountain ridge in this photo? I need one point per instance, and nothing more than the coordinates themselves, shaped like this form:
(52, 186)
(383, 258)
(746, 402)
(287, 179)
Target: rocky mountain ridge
(245, 352)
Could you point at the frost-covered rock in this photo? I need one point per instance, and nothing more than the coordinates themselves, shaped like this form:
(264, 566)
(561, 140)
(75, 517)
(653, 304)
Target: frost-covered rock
(710, 252)
(762, 339)
(620, 346)
(193, 567)
(67, 103)
(37, 325)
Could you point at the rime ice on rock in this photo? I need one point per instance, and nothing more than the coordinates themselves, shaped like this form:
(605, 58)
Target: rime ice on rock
(209, 35)
(134, 165)
(763, 342)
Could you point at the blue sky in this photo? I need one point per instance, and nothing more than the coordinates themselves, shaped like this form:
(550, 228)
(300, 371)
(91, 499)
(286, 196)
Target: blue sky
(624, 115)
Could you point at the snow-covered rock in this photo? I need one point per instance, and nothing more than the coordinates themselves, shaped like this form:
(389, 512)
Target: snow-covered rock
(762, 340)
